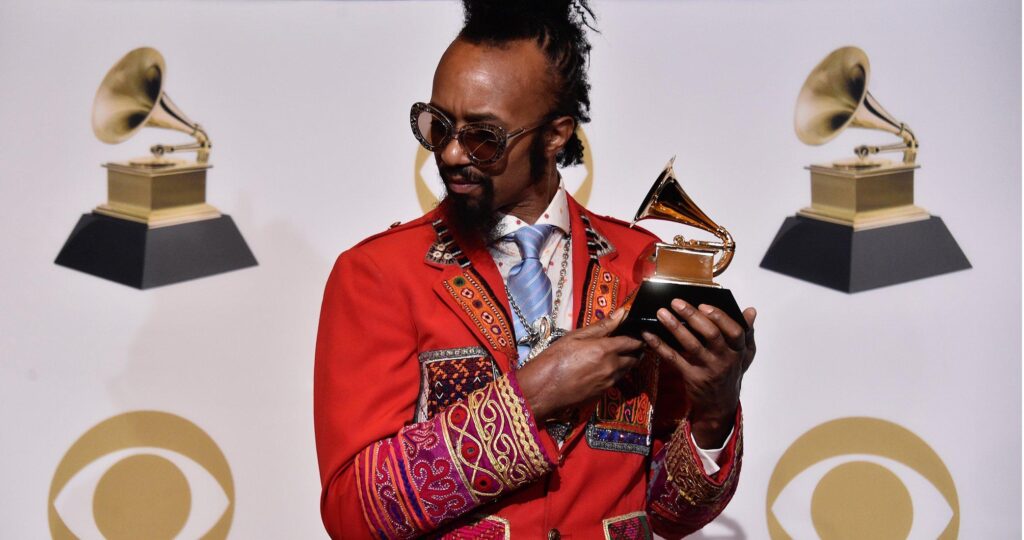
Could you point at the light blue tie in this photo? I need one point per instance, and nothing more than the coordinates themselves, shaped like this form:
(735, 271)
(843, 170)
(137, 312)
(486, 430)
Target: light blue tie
(527, 282)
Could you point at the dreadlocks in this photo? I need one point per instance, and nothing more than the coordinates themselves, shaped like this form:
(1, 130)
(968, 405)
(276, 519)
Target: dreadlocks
(558, 28)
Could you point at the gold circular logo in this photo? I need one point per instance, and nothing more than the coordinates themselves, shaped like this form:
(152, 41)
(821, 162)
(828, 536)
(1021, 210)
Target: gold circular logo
(580, 188)
(852, 464)
(143, 474)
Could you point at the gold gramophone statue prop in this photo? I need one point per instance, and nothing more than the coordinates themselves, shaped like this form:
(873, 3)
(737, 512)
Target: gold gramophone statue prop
(862, 230)
(156, 227)
(683, 269)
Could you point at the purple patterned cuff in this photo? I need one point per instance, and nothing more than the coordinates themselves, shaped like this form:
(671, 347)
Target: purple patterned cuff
(680, 493)
(471, 453)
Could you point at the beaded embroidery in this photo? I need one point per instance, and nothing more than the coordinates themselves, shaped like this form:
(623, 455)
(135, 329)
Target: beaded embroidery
(448, 375)
(474, 298)
(601, 294)
(597, 245)
(444, 250)
(483, 528)
(622, 419)
(628, 527)
(680, 491)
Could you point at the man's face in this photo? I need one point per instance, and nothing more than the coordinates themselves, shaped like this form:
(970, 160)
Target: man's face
(507, 86)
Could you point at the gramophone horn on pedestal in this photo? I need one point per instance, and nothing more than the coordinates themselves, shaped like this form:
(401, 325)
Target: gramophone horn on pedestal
(132, 96)
(862, 229)
(156, 227)
(682, 269)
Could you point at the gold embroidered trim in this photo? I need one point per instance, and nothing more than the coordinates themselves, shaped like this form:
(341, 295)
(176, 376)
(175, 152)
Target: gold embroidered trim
(686, 471)
(492, 424)
(521, 425)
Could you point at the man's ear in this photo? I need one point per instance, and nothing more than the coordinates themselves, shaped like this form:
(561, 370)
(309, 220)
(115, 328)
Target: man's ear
(557, 134)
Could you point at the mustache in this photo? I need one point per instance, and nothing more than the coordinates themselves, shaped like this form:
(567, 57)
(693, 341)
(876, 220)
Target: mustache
(466, 173)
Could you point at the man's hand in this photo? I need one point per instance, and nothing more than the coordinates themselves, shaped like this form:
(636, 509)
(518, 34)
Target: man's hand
(715, 353)
(579, 366)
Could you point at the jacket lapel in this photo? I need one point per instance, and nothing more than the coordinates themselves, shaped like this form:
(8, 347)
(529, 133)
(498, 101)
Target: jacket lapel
(471, 287)
(597, 289)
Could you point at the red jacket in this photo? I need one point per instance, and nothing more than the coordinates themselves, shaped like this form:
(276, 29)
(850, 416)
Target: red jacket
(421, 427)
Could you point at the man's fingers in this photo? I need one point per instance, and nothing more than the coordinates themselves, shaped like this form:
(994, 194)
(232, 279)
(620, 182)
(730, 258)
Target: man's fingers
(699, 322)
(624, 344)
(690, 344)
(604, 326)
(731, 330)
(750, 314)
(665, 351)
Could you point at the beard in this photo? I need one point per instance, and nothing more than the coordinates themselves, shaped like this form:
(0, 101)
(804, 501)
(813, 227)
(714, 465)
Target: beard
(473, 218)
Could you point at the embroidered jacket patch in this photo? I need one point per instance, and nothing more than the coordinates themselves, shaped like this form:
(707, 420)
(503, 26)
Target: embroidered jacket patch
(622, 420)
(628, 527)
(487, 315)
(481, 528)
(448, 375)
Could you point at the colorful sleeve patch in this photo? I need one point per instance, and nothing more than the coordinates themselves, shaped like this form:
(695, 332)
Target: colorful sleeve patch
(435, 471)
(628, 527)
(622, 419)
(448, 375)
(680, 493)
(480, 528)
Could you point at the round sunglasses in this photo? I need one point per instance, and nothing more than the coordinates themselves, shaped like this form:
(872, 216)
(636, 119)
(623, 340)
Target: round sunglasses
(484, 143)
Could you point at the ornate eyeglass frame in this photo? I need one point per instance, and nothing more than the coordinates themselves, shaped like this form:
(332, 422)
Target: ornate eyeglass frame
(503, 136)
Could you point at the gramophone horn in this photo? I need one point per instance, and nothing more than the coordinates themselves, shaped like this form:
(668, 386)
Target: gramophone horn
(668, 201)
(835, 96)
(132, 96)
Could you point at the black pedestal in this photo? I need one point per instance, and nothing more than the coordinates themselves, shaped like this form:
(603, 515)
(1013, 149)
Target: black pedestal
(654, 295)
(841, 258)
(132, 254)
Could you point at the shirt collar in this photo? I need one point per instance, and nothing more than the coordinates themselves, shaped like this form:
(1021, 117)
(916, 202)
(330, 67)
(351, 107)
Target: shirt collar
(557, 214)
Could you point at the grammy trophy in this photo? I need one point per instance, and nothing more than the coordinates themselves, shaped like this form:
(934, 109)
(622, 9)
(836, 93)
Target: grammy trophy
(683, 269)
(156, 227)
(862, 229)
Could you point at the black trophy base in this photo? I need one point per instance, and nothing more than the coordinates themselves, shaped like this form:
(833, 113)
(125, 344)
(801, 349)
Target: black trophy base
(654, 295)
(132, 254)
(840, 258)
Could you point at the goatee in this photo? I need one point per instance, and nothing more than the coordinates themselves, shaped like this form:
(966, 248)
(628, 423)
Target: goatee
(473, 218)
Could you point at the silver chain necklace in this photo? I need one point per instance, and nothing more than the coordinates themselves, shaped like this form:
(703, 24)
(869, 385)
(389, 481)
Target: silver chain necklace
(544, 331)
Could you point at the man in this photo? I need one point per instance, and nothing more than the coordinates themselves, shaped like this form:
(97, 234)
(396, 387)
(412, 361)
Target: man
(443, 402)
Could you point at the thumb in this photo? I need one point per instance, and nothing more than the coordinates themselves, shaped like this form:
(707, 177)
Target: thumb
(750, 314)
(604, 326)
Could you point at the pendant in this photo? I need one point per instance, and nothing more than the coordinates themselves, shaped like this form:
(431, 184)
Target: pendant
(541, 336)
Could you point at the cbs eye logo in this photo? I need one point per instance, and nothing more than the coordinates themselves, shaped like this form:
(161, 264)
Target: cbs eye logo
(578, 180)
(143, 474)
(861, 478)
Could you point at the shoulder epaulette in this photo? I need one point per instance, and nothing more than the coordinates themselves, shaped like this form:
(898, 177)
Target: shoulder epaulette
(398, 227)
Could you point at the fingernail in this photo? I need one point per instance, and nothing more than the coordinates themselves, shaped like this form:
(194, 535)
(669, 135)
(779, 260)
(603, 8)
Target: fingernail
(678, 305)
(754, 317)
(666, 317)
(650, 338)
(617, 314)
(706, 309)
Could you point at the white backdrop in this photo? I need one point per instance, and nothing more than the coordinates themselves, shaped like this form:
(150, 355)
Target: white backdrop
(307, 103)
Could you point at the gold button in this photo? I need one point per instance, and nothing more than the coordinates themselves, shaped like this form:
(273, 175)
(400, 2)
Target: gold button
(553, 534)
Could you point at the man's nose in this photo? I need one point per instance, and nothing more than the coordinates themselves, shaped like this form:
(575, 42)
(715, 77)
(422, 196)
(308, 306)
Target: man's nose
(453, 153)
